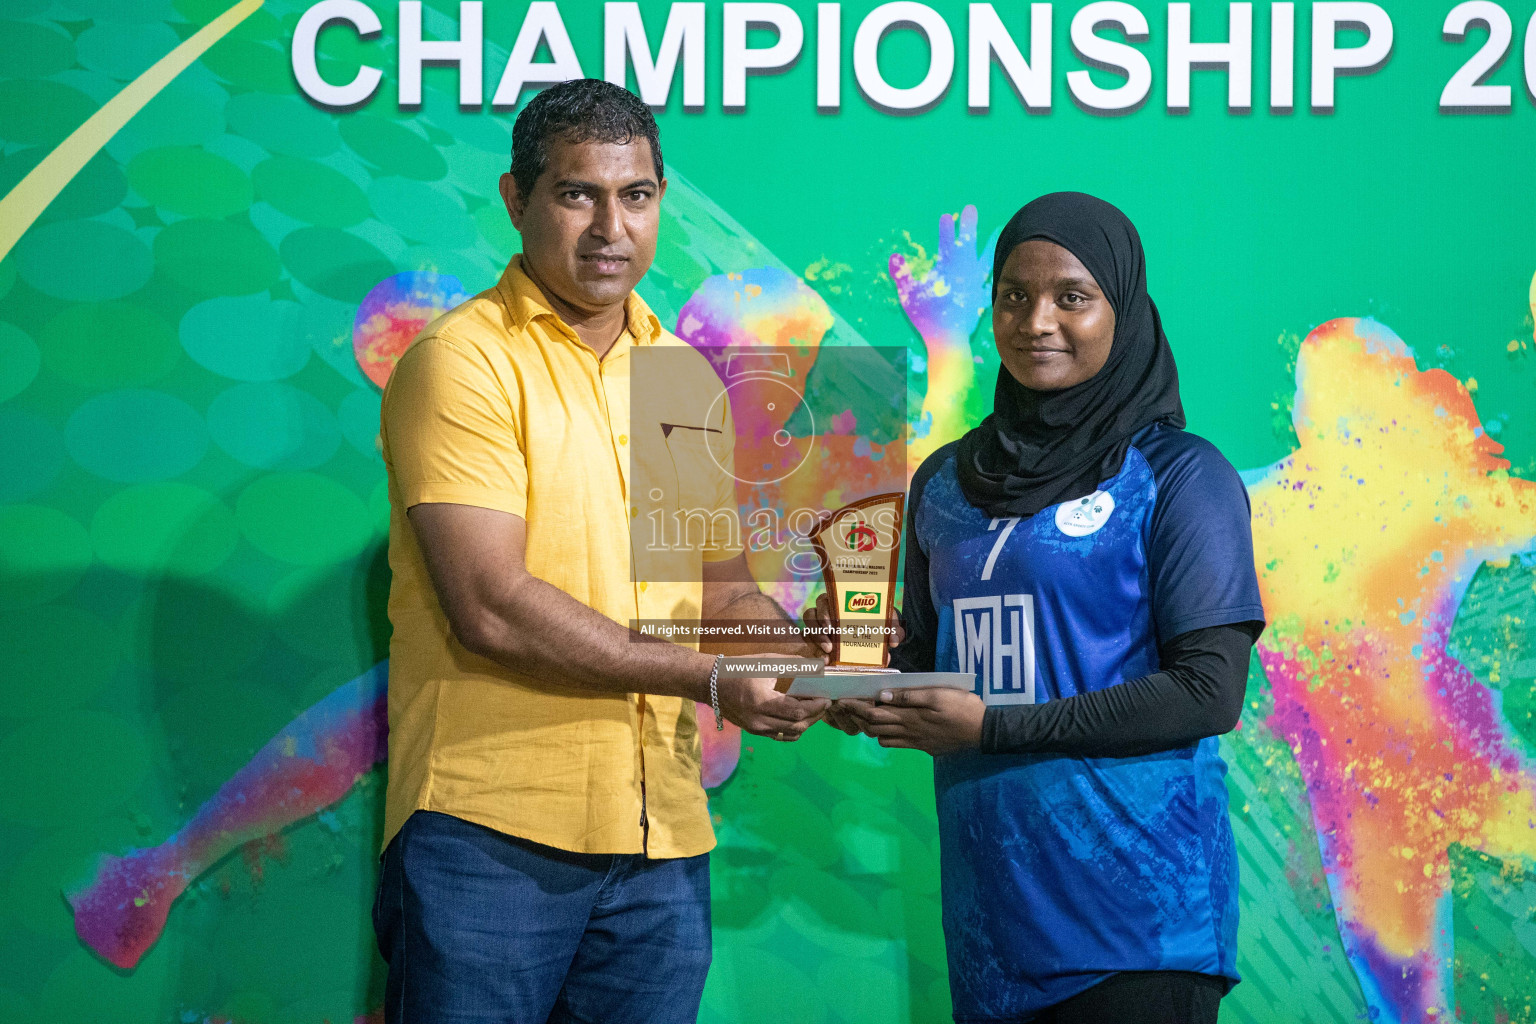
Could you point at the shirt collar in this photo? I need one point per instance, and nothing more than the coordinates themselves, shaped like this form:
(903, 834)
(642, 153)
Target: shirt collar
(525, 302)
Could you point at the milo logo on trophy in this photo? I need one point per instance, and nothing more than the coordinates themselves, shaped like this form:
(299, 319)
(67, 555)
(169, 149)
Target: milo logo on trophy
(859, 547)
(861, 601)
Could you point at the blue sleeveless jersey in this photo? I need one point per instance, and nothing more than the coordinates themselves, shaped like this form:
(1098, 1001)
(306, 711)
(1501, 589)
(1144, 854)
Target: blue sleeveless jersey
(1059, 871)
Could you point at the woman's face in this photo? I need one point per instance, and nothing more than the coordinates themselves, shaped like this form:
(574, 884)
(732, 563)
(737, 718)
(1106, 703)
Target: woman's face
(1052, 324)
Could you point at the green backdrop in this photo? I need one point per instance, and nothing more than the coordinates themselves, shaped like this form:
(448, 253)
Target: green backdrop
(193, 517)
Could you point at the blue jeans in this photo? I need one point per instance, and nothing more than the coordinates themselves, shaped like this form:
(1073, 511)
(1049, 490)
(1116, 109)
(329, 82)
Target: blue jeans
(478, 926)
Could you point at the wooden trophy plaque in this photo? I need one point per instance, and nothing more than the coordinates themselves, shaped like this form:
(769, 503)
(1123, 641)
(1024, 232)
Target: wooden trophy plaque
(860, 547)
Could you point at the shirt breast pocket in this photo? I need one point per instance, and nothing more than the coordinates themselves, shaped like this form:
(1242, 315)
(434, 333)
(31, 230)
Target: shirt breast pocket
(697, 467)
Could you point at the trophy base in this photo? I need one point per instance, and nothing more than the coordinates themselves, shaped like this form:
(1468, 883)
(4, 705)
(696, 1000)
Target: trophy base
(867, 684)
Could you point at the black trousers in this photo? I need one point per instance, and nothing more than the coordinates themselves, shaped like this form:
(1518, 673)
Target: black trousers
(1142, 997)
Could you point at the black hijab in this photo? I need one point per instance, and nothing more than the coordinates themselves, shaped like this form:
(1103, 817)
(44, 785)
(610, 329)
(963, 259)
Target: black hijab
(1040, 448)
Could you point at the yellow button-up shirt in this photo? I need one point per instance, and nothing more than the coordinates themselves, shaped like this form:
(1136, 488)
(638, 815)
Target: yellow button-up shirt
(499, 405)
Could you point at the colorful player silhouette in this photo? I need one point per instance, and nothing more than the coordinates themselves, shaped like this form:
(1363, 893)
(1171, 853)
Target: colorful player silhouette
(312, 763)
(1366, 538)
(945, 298)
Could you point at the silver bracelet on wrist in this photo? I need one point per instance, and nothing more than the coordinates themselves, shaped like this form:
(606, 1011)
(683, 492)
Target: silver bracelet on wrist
(714, 692)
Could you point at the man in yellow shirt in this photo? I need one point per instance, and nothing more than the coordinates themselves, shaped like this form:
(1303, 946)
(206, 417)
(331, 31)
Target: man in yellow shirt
(546, 834)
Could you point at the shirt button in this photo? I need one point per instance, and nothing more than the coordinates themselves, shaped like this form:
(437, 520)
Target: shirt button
(623, 439)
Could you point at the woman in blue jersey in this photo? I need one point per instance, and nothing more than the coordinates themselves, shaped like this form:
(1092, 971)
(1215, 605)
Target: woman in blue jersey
(1092, 563)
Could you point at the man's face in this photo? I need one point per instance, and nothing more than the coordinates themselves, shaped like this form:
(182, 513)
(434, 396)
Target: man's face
(589, 225)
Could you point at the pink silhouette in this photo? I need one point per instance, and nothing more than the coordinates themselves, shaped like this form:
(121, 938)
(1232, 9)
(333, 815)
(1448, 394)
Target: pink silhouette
(311, 764)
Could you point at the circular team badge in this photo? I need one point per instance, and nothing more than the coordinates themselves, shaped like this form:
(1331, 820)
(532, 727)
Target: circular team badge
(1083, 516)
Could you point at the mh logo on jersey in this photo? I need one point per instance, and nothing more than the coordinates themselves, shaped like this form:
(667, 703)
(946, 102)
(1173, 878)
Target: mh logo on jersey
(995, 638)
(862, 601)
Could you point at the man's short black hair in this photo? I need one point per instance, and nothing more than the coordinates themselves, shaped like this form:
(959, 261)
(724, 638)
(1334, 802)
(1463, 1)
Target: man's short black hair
(581, 110)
